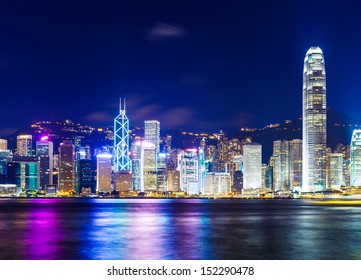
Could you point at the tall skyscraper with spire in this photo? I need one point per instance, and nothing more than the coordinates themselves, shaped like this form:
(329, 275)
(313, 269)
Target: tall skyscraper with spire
(121, 140)
(314, 121)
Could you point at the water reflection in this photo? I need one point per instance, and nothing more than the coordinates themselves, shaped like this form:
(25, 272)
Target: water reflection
(177, 229)
(147, 231)
(42, 235)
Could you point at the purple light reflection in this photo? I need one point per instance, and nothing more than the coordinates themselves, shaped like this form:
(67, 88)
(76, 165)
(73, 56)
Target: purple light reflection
(42, 234)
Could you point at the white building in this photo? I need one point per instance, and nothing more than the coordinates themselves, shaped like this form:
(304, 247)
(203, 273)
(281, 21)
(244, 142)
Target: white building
(334, 171)
(217, 183)
(252, 166)
(189, 171)
(152, 133)
(314, 121)
(148, 167)
(355, 158)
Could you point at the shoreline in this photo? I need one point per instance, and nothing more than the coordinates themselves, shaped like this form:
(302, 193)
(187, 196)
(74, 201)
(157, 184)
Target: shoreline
(343, 198)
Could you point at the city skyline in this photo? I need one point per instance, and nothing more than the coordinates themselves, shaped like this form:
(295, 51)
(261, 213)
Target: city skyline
(224, 74)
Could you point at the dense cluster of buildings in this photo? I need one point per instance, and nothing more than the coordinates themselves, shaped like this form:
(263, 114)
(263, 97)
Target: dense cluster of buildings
(151, 166)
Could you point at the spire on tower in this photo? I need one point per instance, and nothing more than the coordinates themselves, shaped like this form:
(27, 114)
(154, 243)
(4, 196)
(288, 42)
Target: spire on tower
(122, 109)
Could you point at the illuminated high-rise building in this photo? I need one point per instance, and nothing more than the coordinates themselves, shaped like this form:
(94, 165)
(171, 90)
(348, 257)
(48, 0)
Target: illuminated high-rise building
(104, 173)
(314, 121)
(25, 172)
(85, 176)
(334, 170)
(355, 158)
(135, 155)
(162, 172)
(281, 165)
(44, 151)
(3, 144)
(296, 164)
(123, 182)
(252, 166)
(189, 171)
(122, 160)
(237, 185)
(24, 145)
(217, 183)
(173, 180)
(148, 167)
(152, 133)
(66, 175)
(202, 165)
(4, 154)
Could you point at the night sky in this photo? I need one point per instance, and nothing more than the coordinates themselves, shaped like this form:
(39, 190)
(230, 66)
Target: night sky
(193, 65)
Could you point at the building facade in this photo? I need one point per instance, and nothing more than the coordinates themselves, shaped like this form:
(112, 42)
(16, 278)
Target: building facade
(281, 166)
(148, 167)
(252, 166)
(45, 151)
(3, 144)
(355, 158)
(24, 145)
(66, 181)
(189, 171)
(314, 121)
(85, 176)
(104, 173)
(334, 171)
(152, 133)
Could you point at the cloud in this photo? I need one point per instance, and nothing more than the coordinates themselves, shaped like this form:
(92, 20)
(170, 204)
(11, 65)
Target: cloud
(4, 132)
(102, 117)
(146, 107)
(164, 30)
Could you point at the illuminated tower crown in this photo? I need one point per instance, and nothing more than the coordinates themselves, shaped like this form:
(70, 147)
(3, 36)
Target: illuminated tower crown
(121, 140)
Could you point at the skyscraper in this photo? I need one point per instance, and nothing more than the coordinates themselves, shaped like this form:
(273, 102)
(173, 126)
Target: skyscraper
(162, 172)
(3, 144)
(334, 170)
(296, 164)
(85, 176)
(135, 153)
(148, 167)
(281, 165)
(24, 145)
(314, 121)
(44, 150)
(121, 141)
(123, 182)
(189, 171)
(355, 158)
(104, 172)
(252, 166)
(152, 133)
(66, 180)
(217, 183)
